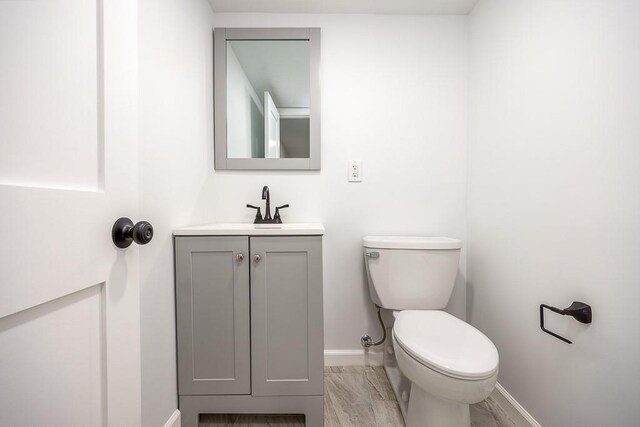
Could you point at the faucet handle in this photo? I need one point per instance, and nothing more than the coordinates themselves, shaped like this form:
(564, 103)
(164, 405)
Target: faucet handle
(276, 216)
(258, 218)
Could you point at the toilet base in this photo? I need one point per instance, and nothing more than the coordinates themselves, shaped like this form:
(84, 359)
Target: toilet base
(426, 410)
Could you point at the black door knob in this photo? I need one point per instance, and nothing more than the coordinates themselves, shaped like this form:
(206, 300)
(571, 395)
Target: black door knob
(124, 232)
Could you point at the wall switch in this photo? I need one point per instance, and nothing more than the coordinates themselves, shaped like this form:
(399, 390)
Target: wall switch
(355, 170)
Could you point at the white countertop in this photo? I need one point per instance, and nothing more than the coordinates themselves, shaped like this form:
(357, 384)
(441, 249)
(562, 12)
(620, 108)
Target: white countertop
(288, 229)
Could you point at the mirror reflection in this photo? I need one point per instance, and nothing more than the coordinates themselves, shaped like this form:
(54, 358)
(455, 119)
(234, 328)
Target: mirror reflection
(268, 99)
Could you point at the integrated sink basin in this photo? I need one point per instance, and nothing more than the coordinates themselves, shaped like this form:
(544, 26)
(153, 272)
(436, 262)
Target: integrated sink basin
(243, 229)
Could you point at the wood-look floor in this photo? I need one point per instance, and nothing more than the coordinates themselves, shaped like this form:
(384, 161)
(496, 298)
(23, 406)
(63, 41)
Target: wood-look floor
(356, 396)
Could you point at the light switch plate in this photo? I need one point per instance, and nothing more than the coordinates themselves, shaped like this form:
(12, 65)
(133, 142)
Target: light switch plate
(355, 170)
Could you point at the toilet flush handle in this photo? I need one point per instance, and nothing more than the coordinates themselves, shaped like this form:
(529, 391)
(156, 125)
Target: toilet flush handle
(372, 254)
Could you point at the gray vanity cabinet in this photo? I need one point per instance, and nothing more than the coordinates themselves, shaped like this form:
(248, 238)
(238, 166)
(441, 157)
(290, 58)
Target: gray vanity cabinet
(212, 307)
(286, 316)
(249, 325)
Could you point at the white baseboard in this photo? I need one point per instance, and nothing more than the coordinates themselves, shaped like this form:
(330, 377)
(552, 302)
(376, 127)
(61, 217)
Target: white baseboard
(358, 357)
(514, 410)
(174, 420)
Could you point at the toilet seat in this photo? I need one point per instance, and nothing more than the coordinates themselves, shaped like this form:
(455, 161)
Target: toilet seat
(446, 344)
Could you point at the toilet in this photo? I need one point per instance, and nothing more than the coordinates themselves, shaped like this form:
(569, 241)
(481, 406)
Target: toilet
(437, 364)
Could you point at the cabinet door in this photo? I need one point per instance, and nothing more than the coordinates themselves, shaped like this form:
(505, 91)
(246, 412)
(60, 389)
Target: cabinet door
(287, 348)
(212, 312)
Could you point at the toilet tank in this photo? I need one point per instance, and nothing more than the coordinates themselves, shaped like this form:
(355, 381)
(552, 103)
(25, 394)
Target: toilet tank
(411, 273)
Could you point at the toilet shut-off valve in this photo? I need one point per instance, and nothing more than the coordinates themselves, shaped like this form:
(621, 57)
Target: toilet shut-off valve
(366, 341)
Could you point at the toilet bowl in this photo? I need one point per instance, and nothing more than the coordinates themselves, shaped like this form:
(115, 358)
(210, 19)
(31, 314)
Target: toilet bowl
(448, 363)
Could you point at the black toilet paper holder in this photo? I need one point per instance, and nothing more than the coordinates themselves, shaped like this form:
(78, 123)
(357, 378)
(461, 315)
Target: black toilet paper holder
(578, 310)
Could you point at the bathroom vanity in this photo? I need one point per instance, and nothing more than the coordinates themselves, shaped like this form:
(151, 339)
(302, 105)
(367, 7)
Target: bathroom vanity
(249, 320)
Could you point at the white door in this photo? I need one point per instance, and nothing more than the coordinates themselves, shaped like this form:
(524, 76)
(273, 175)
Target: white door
(69, 299)
(271, 128)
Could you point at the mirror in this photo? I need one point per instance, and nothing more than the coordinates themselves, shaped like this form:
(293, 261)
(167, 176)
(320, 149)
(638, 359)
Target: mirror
(267, 98)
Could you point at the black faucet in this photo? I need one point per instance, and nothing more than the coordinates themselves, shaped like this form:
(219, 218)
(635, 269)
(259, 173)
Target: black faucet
(265, 196)
(267, 217)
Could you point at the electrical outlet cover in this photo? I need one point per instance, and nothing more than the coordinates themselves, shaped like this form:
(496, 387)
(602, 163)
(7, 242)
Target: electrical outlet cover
(355, 170)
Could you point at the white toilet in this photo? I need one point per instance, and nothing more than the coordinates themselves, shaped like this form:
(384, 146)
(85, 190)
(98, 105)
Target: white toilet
(437, 364)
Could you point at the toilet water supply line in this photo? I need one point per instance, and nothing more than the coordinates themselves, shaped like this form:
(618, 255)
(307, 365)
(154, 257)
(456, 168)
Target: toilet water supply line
(366, 341)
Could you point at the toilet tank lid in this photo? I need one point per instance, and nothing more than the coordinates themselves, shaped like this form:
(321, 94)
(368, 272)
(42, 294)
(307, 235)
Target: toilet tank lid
(410, 242)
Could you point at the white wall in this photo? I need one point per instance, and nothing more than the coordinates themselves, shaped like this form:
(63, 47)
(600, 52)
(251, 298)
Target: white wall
(176, 133)
(393, 95)
(554, 201)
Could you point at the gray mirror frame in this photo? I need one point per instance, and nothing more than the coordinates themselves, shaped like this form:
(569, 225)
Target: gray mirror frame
(220, 37)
